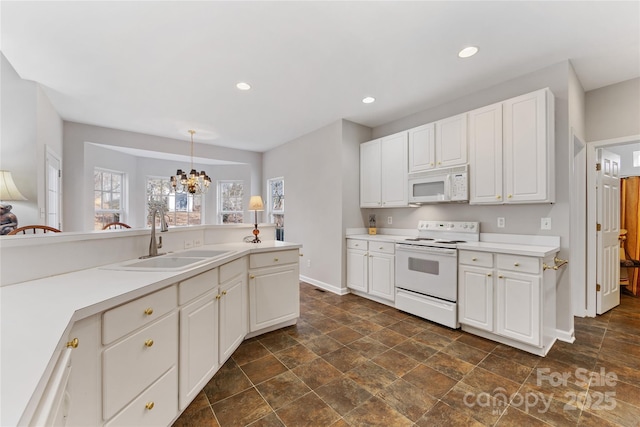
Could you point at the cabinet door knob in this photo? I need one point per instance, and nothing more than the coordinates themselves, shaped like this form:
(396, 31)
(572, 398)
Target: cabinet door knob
(149, 405)
(474, 259)
(431, 164)
(509, 196)
(301, 254)
(148, 343)
(218, 296)
(498, 197)
(516, 264)
(224, 292)
(251, 276)
(381, 247)
(275, 260)
(501, 277)
(73, 343)
(148, 311)
(439, 163)
(488, 274)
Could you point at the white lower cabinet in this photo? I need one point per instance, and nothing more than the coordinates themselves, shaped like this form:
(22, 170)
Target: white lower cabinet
(198, 334)
(274, 289)
(508, 298)
(143, 362)
(371, 268)
(233, 306)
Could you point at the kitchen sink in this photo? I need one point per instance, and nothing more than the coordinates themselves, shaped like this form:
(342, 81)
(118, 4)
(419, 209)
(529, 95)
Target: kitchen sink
(162, 263)
(204, 253)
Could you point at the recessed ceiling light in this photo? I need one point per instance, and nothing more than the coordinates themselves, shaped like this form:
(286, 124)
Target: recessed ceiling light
(468, 51)
(243, 86)
(368, 99)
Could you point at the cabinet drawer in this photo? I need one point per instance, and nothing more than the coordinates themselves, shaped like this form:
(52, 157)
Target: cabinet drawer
(382, 247)
(133, 364)
(271, 259)
(126, 318)
(161, 397)
(480, 259)
(357, 244)
(232, 269)
(523, 264)
(196, 286)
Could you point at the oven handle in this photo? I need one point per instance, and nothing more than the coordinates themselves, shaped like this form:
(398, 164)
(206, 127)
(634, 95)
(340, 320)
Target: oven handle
(425, 249)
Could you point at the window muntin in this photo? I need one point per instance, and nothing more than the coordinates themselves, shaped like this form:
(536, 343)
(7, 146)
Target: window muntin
(108, 197)
(230, 203)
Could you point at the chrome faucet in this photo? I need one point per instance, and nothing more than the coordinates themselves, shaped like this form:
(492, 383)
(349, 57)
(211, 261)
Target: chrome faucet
(156, 208)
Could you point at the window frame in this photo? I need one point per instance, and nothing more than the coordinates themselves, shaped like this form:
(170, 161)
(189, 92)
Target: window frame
(170, 196)
(276, 212)
(119, 215)
(220, 211)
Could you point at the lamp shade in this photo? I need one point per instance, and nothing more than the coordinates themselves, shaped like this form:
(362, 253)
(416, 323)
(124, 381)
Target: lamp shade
(255, 204)
(8, 189)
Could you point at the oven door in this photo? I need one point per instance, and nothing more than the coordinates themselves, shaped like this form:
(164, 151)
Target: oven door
(428, 271)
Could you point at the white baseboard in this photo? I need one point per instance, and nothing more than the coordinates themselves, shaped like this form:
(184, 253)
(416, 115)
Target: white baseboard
(325, 286)
(566, 336)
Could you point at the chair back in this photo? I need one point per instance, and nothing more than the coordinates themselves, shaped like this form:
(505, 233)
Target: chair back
(116, 226)
(33, 229)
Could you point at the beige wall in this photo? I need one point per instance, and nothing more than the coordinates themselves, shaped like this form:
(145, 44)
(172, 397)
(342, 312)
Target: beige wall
(613, 111)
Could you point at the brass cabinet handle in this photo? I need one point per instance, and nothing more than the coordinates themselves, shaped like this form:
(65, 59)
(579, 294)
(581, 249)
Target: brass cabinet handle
(498, 197)
(509, 196)
(381, 247)
(218, 296)
(149, 405)
(439, 163)
(474, 259)
(301, 254)
(516, 264)
(357, 244)
(148, 311)
(488, 274)
(251, 276)
(73, 343)
(224, 292)
(500, 276)
(431, 164)
(148, 343)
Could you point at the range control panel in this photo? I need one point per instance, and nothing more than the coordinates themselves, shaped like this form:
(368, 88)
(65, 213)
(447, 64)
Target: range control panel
(452, 226)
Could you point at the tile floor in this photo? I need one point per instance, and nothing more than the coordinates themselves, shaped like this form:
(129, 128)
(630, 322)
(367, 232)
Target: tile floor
(353, 362)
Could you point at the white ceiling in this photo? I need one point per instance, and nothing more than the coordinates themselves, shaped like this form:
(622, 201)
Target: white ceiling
(161, 68)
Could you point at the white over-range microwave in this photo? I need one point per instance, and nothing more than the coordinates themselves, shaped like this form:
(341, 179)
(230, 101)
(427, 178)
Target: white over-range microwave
(439, 186)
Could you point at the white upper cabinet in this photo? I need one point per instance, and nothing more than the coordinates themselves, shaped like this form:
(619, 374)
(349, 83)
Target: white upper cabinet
(511, 147)
(422, 148)
(485, 154)
(451, 141)
(438, 145)
(528, 148)
(383, 172)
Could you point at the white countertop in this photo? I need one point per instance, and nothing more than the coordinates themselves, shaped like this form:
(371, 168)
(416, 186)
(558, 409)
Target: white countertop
(36, 317)
(536, 246)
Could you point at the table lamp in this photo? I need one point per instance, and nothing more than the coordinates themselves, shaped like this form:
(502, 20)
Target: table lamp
(255, 204)
(8, 192)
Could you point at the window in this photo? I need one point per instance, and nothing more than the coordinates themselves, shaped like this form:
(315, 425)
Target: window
(182, 209)
(230, 207)
(108, 197)
(275, 205)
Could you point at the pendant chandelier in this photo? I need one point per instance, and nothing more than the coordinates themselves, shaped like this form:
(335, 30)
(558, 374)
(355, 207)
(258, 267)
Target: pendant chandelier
(194, 183)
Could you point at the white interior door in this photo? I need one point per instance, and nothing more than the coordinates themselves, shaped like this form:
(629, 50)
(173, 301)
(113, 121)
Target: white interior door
(53, 194)
(608, 218)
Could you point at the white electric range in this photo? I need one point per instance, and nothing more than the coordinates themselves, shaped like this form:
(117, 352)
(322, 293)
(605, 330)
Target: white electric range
(427, 270)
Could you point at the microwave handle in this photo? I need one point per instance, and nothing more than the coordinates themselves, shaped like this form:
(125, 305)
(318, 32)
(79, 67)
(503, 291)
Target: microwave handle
(447, 187)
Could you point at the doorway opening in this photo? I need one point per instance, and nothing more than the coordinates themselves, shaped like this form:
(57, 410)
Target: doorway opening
(592, 208)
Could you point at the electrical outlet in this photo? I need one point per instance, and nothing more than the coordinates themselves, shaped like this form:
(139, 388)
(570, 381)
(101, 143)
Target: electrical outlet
(197, 242)
(188, 244)
(501, 222)
(389, 220)
(545, 223)
(308, 263)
